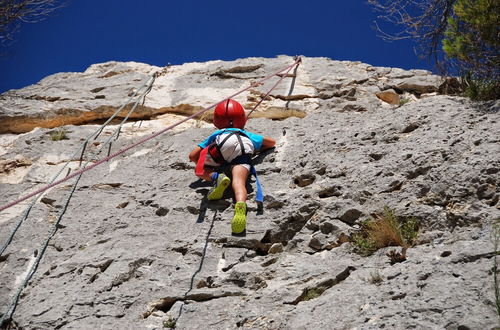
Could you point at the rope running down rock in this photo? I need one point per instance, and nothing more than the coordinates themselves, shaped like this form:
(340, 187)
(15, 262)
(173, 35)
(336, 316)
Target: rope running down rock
(13, 303)
(11, 308)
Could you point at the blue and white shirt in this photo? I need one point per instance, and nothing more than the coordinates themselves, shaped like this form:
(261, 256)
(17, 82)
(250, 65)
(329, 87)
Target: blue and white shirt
(232, 148)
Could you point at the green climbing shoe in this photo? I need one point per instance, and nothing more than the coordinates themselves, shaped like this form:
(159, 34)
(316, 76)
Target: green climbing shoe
(239, 221)
(220, 186)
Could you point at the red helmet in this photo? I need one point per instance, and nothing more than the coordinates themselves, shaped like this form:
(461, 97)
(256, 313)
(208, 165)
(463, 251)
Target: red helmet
(229, 114)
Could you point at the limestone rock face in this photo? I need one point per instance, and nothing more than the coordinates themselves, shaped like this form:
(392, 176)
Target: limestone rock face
(139, 247)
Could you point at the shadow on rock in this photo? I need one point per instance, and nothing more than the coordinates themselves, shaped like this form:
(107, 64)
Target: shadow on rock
(260, 157)
(216, 206)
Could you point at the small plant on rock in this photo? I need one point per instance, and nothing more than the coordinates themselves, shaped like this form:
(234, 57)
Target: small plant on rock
(314, 293)
(169, 323)
(383, 230)
(403, 101)
(59, 134)
(395, 256)
(481, 90)
(375, 278)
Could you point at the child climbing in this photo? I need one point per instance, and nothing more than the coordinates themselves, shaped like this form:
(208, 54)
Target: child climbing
(233, 146)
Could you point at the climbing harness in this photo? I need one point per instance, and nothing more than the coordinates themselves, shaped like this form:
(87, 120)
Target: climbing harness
(215, 150)
(143, 90)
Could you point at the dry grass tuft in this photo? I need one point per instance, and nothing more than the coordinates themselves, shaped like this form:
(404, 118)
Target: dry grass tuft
(384, 230)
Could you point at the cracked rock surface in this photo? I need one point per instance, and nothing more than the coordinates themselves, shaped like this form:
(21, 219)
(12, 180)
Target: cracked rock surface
(139, 244)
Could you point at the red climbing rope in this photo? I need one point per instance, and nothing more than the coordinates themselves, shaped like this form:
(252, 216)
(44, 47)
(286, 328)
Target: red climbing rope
(141, 141)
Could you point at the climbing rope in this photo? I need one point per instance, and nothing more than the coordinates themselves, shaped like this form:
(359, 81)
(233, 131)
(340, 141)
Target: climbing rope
(80, 150)
(143, 140)
(298, 60)
(11, 308)
(13, 303)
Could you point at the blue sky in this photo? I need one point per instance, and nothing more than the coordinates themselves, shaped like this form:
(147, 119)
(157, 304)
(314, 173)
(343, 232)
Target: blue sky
(158, 32)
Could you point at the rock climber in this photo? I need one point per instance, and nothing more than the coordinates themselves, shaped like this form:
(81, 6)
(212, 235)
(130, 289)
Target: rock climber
(233, 146)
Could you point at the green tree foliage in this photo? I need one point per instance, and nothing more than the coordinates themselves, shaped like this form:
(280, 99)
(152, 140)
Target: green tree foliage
(472, 40)
(464, 33)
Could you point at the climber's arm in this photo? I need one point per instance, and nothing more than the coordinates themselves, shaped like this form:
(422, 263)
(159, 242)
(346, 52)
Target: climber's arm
(267, 143)
(195, 154)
